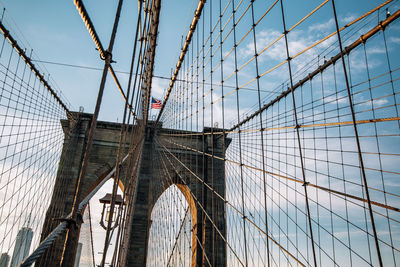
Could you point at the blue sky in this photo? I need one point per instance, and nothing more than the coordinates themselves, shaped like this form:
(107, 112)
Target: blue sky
(56, 33)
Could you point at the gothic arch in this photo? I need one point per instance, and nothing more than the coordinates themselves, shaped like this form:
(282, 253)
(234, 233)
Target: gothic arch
(186, 192)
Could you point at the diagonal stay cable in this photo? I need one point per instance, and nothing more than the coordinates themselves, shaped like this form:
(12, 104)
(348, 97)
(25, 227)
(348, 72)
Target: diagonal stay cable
(120, 146)
(151, 37)
(232, 206)
(92, 31)
(185, 47)
(69, 253)
(322, 67)
(29, 62)
(46, 243)
(289, 178)
(197, 201)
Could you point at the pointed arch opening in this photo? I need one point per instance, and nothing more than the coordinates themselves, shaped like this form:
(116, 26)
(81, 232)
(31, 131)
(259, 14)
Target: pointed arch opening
(173, 230)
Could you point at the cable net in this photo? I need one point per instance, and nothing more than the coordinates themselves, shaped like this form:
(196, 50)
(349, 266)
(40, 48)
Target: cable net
(31, 141)
(305, 99)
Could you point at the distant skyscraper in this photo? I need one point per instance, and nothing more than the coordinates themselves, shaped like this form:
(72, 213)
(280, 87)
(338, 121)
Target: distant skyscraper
(78, 255)
(4, 259)
(22, 246)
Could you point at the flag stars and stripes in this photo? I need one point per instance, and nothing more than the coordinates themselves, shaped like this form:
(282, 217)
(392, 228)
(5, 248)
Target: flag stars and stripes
(155, 103)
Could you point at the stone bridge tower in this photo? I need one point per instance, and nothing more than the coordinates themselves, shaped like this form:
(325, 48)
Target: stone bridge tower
(149, 186)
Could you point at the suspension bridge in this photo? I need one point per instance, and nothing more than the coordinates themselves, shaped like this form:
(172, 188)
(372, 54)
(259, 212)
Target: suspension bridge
(276, 143)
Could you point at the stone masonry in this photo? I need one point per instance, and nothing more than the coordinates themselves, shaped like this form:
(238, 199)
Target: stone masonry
(150, 186)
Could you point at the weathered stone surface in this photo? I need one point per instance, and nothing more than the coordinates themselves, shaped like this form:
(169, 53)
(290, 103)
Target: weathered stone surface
(150, 186)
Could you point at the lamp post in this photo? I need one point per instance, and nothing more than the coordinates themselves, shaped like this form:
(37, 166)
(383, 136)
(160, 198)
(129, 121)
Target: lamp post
(106, 201)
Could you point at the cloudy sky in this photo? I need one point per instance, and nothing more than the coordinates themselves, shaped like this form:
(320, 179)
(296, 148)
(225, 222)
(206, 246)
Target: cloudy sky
(55, 32)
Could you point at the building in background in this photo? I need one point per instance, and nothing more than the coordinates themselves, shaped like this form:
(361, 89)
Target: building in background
(4, 260)
(78, 255)
(22, 246)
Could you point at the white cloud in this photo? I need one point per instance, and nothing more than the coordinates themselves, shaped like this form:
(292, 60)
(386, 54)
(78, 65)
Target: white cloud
(394, 39)
(322, 26)
(159, 87)
(349, 18)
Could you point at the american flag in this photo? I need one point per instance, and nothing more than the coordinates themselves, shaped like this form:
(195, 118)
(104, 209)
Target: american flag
(155, 103)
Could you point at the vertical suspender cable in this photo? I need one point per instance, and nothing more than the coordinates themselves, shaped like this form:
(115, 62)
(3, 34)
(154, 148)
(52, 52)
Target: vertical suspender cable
(69, 251)
(188, 40)
(298, 137)
(360, 158)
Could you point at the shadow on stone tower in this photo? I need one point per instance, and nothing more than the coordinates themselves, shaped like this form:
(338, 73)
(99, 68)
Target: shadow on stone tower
(194, 182)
